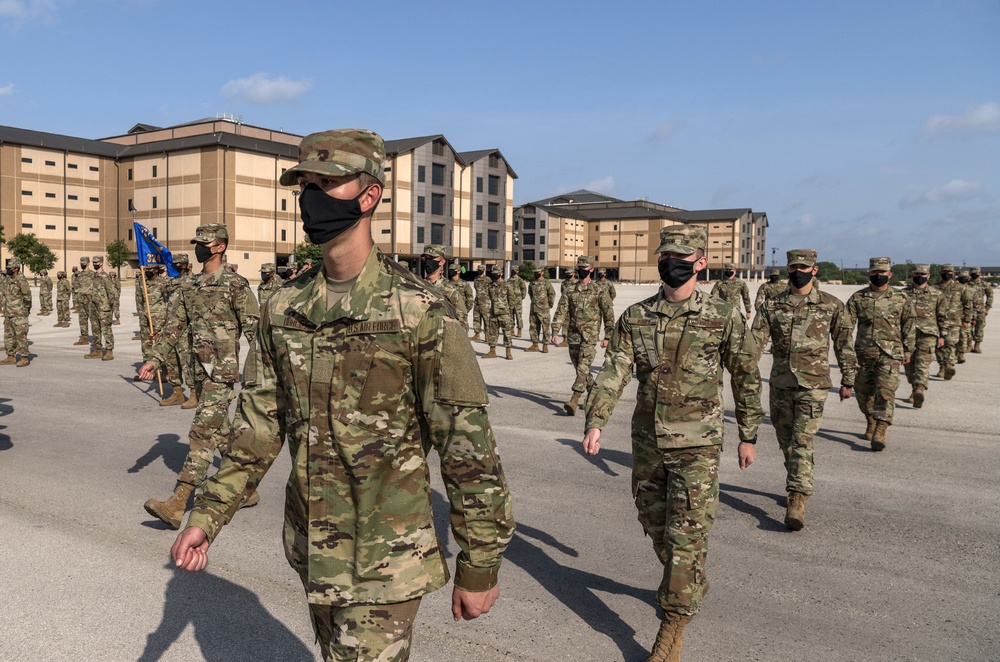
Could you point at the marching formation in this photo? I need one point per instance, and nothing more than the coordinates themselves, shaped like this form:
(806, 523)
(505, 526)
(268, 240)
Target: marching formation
(362, 368)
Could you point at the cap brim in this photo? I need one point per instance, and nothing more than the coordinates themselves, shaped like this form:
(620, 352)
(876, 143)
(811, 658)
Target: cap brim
(290, 177)
(801, 264)
(680, 249)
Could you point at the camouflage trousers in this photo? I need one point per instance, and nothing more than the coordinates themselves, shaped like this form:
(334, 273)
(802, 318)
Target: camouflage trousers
(100, 322)
(946, 352)
(540, 325)
(979, 325)
(44, 301)
(209, 432)
(116, 309)
(62, 310)
(964, 339)
(179, 368)
(496, 324)
(366, 633)
(797, 414)
(15, 335)
(480, 319)
(83, 312)
(876, 384)
(918, 370)
(517, 317)
(582, 355)
(676, 493)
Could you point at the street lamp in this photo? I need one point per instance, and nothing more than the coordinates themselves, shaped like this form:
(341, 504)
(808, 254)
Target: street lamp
(295, 226)
(635, 258)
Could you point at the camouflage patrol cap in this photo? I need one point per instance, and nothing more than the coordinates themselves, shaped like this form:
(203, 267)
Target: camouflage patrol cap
(585, 261)
(84, 260)
(974, 271)
(181, 258)
(13, 263)
(682, 239)
(880, 264)
(920, 269)
(602, 272)
(481, 268)
(729, 266)
(339, 152)
(434, 250)
(496, 269)
(801, 256)
(964, 273)
(97, 259)
(60, 274)
(947, 267)
(267, 268)
(206, 234)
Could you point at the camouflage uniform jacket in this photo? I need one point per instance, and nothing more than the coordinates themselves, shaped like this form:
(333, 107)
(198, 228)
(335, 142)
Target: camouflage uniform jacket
(217, 308)
(608, 287)
(951, 292)
(3, 291)
(678, 360)
(17, 296)
(985, 294)
(568, 284)
(969, 295)
(480, 283)
(363, 390)
(732, 290)
(46, 284)
(885, 321)
(265, 290)
(585, 307)
(62, 289)
(802, 334)
(85, 282)
(501, 299)
(102, 290)
(438, 287)
(519, 285)
(157, 295)
(75, 282)
(459, 294)
(542, 294)
(929, 308)
(768, 291)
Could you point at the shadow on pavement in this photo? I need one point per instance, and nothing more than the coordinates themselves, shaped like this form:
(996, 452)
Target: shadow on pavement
(764, 519)
(230, 624)
(5, 409)
(537, 398)
(167, 446)
(850, 443)
(601, 459)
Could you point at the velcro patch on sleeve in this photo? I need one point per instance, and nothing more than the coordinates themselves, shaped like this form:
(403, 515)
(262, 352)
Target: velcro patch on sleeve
(460, 382)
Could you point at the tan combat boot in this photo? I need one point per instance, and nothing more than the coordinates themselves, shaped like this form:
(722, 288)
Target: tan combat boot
(23, 362)
(84, 340)
(136, 337)
(492, 354)
(176, 398)
(669, 639)
(949, 371)
(795, 511)
(532, 348)
(172, 510)
(545, 347)
(870, 430)
(476, 336)
(509, 356)
(918, 397)
(191, 402)
(910, 399)
(95, 353)
(109, 355)
(960, 357)
(572, 404)
(940, 373)
(10, 360)
(977, 348)
(563, 343)
(878, 438)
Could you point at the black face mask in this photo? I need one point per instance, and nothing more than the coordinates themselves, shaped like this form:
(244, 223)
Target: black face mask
(266, 277)
(920, 280)
(538, 276)
(675, 271)
(582, 273)
(946, 276)
(430, 265)
(799, 279)
(729, 274)
(452, 273)
(202, 253)
(773, 278)
(10, 272)
(324, 217)
(963, 280)
(494, 277)
(878, 280)
(975, 276)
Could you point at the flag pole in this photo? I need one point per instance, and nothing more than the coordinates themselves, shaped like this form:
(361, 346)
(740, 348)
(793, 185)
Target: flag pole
(145, 298)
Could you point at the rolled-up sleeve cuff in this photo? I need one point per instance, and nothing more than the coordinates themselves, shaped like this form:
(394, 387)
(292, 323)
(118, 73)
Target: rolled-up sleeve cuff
(476, 580)
(205, 521)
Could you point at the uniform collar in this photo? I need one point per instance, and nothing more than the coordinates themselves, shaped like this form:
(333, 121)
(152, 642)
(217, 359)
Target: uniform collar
(663, 307)
(310, 302)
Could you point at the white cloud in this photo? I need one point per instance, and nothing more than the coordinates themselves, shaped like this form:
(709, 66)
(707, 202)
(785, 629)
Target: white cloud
(807, 221)
(984, 118)
(605, 185)
(23, 10)
(264, 89)
(956, 190)
(665, 131)
(7, 89)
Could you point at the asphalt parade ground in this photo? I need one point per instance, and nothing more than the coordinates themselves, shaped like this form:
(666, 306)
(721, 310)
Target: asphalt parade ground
(898, 560)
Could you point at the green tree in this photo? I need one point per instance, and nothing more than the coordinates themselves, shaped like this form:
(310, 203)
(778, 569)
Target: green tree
(117, 253)
(828, 271)
(32, 253)
(527, 270)
(308, 251)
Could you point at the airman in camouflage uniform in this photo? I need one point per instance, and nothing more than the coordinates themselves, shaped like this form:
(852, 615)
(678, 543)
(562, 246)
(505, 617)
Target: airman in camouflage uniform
(772, 288)
(732, 289)
(543, 295)
(45, 294)
(801, 322)
(16, 307)
(678, 343)
(432, 265)
(81, 297)
(155, 313)
(951, 292)
(480, 315)
(520, 288)
(101, 293)
(602, 281)
(179, 366)
(567, 286)
(270, 282)
(931, 327)
(116, 308)
(583, 309)
(983, 304)
(501, 299)
(969, 294)
(367, 381)
(459, 293)
(63, 292)
(886, 336)
(74, 286)
(217, 310)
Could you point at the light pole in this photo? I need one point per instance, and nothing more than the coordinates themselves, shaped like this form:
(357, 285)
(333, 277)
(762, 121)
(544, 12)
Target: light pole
(635, 258)
(295, 226)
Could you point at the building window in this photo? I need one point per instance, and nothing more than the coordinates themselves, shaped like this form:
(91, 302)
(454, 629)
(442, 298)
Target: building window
(597, 242)
(479, 239)
(386, 200)
(73, 228)
(387, 169)
(541, 224)
(387, 231)
(614, 258)
(541, 239)
(420, 235)
(94, 169)
(479, 212)
(128, 174)
(541, 256)
(494, 185)
(129, 234)
(491, 239)
(529, 223)
(529, 239)
(494, 212)
(421, 173)
(529, 254)
(421, 204)
(25, 159)
(614, 242)
(437, 174)
(437, 204)
(71, 166)
(26, 193)
(50, 195)
(438, 149)
(284, 235)
(517, 224)
(479, 184)
(516, 258)
(72, 197)
(437, 233)
(50, 163)
(494, 161)
(50, 227)
(284, 205)
(154, 202)
(92, 199)
(98, 230)
(27, 225)
(154, 172)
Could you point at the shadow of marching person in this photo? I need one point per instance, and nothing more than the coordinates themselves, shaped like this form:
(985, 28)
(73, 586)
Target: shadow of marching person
(168, 447)
(537, 398)
(765, 521)
(622, 458)
(5, 409)
(230, 624)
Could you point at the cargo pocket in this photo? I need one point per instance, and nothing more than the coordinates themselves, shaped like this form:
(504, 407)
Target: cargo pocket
(481, 525)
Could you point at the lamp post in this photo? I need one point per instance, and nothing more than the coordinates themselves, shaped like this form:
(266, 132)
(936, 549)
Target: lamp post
(635, 258)
(295, 226)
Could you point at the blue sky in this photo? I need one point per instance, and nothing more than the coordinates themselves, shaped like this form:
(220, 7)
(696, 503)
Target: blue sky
(861, 128)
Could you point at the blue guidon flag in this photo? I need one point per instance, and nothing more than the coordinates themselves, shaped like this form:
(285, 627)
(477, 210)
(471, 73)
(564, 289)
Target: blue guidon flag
(153, 252)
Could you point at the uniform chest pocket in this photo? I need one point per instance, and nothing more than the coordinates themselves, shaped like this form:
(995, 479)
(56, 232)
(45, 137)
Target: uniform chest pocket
(646, 353)
(699, 350)
(379, 395)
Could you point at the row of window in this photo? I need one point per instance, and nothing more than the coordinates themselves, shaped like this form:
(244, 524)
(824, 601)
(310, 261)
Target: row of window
(529, 223)
(27, 193)
(70, 166)
(70, 228)
(437, 234)
(529, 254)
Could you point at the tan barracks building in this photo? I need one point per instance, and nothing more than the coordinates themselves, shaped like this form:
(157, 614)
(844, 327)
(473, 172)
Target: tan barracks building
(73, 194)
(622, 235)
